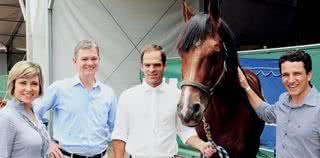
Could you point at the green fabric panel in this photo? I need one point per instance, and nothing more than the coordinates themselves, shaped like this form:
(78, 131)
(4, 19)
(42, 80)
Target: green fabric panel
(187, 151)
(3, 85)
(265, 154)
(173, 68)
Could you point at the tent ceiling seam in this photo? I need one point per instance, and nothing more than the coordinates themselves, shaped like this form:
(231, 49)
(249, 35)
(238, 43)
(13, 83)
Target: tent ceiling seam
(17, 35)
(135, 46)
(114, 19)
(15, 31)
(10, 20)
(9, 5)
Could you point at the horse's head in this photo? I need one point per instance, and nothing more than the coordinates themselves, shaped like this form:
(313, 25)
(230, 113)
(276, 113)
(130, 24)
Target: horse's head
(203, 56)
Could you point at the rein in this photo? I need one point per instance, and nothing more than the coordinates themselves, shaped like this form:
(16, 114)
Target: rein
(220, 150)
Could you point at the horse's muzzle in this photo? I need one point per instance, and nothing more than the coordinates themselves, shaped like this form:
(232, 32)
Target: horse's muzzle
(191, 116)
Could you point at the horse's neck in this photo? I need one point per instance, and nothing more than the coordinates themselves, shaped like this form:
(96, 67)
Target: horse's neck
(229, 88)
(226, 99)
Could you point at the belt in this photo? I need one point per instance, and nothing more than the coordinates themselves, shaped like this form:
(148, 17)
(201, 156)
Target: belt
(73, 155)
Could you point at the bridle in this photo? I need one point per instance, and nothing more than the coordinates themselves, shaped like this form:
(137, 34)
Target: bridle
(208, 90)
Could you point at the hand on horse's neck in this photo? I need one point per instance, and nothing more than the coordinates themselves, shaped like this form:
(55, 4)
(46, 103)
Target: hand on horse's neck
(88, 82)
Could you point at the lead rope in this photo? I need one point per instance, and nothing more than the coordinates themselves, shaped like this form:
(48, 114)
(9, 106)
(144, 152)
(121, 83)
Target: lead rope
(220, 150)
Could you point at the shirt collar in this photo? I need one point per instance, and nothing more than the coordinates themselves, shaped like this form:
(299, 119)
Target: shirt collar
(76, 81)
(310, 99)
(16, 104)
(146, 87)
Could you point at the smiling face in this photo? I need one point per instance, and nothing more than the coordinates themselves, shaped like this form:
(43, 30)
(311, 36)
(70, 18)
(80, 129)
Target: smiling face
(153, 68)
(295, 79)
(26, 89)
(87, 62)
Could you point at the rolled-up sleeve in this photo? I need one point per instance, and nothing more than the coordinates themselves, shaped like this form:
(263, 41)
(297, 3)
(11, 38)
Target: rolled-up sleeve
(121, 126)
(7, 136)
(185, 132)
(266, 112)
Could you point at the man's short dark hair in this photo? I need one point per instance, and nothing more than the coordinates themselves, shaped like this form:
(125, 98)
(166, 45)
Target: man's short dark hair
(151, 48)
(297, 55)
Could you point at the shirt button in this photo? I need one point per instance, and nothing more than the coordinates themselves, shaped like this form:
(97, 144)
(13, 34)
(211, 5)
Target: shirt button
(285, 133)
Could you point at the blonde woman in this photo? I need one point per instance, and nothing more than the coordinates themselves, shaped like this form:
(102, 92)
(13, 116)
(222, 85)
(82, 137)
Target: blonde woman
(22, 134)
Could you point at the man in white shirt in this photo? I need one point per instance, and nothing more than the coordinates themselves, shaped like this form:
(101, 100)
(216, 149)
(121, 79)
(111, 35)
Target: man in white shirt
(146, 121)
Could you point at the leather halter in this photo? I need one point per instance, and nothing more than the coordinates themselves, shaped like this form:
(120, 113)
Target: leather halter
(209, 90)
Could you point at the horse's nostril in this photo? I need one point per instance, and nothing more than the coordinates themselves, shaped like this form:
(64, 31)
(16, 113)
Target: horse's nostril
(195, 108)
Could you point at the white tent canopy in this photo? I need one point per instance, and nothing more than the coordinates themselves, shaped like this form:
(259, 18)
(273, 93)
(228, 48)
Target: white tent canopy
(120, 27)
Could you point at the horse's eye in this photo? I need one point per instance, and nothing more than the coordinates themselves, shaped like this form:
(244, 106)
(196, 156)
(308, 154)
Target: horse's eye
(197, 44)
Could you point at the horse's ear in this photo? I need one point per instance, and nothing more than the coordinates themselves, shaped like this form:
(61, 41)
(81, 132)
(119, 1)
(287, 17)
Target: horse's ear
(215, 13)
(187, 11)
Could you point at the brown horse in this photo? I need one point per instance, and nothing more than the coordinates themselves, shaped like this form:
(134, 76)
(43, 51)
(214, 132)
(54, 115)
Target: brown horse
(211, 93)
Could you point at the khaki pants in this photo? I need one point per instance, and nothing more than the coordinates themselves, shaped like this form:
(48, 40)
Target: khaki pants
(109, 153)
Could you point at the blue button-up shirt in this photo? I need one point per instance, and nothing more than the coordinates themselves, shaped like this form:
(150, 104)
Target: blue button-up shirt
(83, 120)
(298, 127)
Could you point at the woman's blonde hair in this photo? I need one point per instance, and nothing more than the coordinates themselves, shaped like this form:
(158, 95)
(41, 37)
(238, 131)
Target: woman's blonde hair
(24, 69)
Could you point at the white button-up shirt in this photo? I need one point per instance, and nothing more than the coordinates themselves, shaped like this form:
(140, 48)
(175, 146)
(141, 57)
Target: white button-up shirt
(147, 121)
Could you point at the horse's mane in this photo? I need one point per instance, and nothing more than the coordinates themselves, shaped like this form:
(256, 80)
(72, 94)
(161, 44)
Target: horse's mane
(198, 28)
(231, 47)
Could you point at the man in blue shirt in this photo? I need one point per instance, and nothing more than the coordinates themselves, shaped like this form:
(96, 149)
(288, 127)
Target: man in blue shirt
(297, 113)
(83, 107)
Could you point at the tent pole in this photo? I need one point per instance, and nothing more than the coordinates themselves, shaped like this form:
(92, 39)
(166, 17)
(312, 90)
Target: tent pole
(50, 4)
(27, 20)
(23, 8)
(50, 56)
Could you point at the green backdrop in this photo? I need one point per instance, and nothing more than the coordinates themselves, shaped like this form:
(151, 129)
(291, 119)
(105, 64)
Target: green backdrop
(3, 85)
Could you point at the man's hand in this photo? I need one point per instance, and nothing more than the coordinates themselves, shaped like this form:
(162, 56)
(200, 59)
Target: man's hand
(207, 149)
(204, 147)
(243, 80)
(54, 150)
